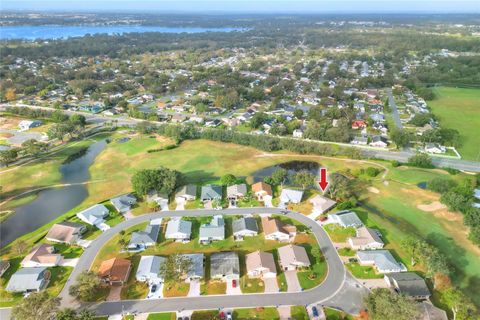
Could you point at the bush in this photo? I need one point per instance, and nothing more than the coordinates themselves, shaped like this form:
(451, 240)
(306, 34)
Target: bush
(372, 172)
(395, 163)
(349, 204)
(452, 171)
(421, 160)
(441, 185)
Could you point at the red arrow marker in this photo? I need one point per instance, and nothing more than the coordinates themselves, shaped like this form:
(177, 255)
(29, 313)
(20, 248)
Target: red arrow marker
(323, 183)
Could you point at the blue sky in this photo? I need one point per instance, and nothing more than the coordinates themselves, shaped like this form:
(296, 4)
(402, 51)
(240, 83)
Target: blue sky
(251, 6)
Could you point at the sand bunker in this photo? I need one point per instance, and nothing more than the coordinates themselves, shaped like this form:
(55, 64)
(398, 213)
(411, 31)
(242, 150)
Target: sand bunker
(373, 190)
(434, 206)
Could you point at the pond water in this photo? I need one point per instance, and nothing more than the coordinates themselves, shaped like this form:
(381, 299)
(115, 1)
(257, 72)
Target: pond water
(52, 203)
(61, 32)
(292, 167)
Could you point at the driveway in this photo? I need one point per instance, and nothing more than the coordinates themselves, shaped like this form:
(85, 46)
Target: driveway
(194, 289)
(231, 290)
(158, 294)
(292, 281)
(114, 294)
(284, 312)
(180, 203)
(271, 285)
(69, 262)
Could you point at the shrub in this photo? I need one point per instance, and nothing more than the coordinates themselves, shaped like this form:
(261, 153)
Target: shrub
(372, 172)
(441, 185)
(421, 160)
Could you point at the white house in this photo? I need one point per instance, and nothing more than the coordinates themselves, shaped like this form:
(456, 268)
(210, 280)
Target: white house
(24, 125)
(95, 216)
(345, 219)
(366, 239)
(383, 261)
(149, 268)
(291, 196)
(435, 148)
(260, 264)
(179, 230)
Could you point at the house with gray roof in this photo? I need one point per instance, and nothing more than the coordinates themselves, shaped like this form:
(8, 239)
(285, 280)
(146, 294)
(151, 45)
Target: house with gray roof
(187, 192)
(244, 227)
(197, 269)
(211, 192)
(345, 219)
(291, 196)
(28, 280)
(124, 202)
(224, 266)
(95, 216)
(143, 239)
(213, 231)
(178, 229)
(149, 268)
(409, 284)
(366, 239)
(160, 199)
(383, 261)
(236, 191)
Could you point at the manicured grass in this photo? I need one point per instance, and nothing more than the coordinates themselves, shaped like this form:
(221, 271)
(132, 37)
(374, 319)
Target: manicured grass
(363, 272)
(299, 313)
(333, 314)
(205, 315)
(346, 252)
(8, 299)
(68, 251)
(134, 289)
(256, 313)
(252, 285)
(176, 289)
(317, 272)
(161, 316)
(339, 234)
(458, 108)
(282, 282)
(58, 277)
(213, 287)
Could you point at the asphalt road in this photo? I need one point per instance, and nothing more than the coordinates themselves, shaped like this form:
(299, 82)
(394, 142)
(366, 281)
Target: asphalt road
(321, 294)
(401, 156)
(393, 105)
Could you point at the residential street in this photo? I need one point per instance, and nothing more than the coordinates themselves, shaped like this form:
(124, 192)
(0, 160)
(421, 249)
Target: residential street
(393, 105)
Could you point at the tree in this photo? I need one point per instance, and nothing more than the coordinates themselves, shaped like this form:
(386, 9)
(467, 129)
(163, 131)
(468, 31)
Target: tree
(86, 286)
(258, 119)
(78, 120)
(298, 113)
(228, 180)
(461, 306)
(161, 180)
(175, 267)
(10, 94)
(37, 306)
(421, 160)
(70, 314)
(8, 156)
(279, 176)
(304, 178)
(441, 185)
(33, 148)
(400, 137)
(385, 304)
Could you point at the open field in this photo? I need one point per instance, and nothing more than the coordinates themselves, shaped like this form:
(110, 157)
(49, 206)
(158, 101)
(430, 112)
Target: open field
(459, 109)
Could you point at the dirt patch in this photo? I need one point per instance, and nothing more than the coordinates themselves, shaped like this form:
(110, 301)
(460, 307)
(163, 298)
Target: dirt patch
(373, 190)
(9, 123)
(434, 206)
(6, 135)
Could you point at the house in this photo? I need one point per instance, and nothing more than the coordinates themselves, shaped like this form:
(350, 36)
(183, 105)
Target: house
(95, 216)
(366, 239)
(291, 196)
(124, 202)
(211, 192)
(297, 133)
(187, 192)
(115, 271)
(260, 264)
(236, 191)
(409, 284)
(262, 191)
(4, 265)
(429, 312)
(66, 232)
(383, 261)
(160, 199)
(322, 204)
(276, 230)
(345, 219)
(293, 257)
(178, 229)
(357, 124)
(213, 231)
(435, 148)
(149, 268)
(28, 280)
(197, 269)
(379, 141)
(244, 227)
(377, 117)
(24, 125)
(360, 140)
(143, 239)
(224, 266)
(42, 255)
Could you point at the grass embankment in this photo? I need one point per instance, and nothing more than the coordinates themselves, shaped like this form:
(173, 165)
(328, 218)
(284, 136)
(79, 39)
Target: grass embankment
(458, 109)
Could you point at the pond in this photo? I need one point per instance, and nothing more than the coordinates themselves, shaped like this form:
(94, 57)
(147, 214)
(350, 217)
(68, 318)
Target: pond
(52, 203)
(292, 167)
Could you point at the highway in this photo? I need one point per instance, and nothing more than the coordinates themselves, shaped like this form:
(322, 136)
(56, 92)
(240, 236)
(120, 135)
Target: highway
(333, 283)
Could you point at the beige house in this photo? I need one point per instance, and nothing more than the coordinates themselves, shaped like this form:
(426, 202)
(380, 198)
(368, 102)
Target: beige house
(42, 255)
(366, 239)
(293, 257)
(260, 264)
(262, 191)
(65, 232)
(276, 230)
(322, 204)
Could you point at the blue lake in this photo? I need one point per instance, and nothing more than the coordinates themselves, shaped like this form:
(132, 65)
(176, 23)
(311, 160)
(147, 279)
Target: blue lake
(59, 32)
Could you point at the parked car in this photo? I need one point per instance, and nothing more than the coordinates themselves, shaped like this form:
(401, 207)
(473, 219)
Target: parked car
(234, 283)
(154, 288)
(229, 316)
(222, 315)
(315, 312)
(323, 218)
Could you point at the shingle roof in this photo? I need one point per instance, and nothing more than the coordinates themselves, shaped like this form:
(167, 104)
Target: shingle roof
(224, 263)
(274, 225)
(189, 189)
(237, 189)
(247, 223)
(123, 202)
(149, 265)
(262, 186)
(92, 214)
(197, 269)
(348, 218)
(26, 279)
(383, 259)
(211, 191)
(322, 203)
(260, 259)
(291, 254)
(149, 235)
(179, 225)
(216, 228)
(116, 269)
(410, 283)
(42, 253)
(365, 236)
(291, 195)
(64, 231)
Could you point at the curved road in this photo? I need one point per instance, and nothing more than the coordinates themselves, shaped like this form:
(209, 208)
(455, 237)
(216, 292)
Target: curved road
(329, 288)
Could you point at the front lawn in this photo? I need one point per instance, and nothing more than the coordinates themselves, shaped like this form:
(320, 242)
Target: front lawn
(162, 316)
(134, 289)
(363, 272)
(252, 285)
(299, 313)
(346, 252)
(176, 289)
(256, 313)
(333, 314)
(339, 234)
(213, 287)
(68, 251)
(205, 315)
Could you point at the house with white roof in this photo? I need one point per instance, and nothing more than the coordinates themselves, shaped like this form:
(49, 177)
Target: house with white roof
(124, 202)
(178, 229)
(149, 269)
(24, 125)
(366, 239)
(345, 219)
(291, 196)
(95, 216)
(383, 261)
(322, 204)
(213, 231)
(28, 280)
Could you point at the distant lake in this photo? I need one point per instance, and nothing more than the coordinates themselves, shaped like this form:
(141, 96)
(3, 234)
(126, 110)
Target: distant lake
(61, 32)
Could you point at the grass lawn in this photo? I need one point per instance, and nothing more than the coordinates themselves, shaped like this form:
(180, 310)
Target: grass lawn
(176, 289)
(134, 289)
(346, 252)
(458, 109)
(313, 276)
(363, 272)
(256, 313)
(68, 251)
(299, 313)
(252, 285)
(282, 282)
(162, 316)
(339, 234)
(205, 315)
(333, 314)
